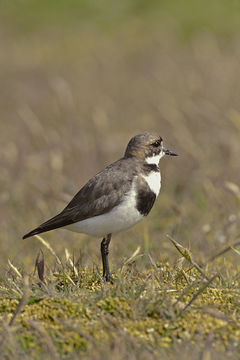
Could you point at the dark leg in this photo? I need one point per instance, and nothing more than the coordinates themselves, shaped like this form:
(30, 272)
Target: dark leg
(104, 251)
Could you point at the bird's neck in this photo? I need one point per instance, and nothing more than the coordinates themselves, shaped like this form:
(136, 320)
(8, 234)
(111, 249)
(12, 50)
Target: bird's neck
(154, 159)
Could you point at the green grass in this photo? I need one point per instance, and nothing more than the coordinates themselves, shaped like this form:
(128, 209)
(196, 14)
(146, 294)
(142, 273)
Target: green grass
(145, 313)
(190, 17)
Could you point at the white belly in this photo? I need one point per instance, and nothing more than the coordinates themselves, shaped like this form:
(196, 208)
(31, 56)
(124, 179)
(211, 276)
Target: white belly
(120, 218)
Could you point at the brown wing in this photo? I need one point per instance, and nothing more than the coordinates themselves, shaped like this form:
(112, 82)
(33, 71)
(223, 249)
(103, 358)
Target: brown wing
(99, 195)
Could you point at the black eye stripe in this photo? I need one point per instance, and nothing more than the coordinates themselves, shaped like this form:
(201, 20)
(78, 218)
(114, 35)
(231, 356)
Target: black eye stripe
(156, 143)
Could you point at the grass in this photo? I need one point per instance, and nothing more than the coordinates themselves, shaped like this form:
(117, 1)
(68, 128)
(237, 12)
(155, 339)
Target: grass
(189, 17)
(143, 313)
(76, 85)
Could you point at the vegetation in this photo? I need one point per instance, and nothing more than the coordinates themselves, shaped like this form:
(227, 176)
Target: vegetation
(77, 81)
(142, 313)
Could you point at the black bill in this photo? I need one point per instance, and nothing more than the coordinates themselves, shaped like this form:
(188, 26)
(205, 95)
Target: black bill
(169, 152)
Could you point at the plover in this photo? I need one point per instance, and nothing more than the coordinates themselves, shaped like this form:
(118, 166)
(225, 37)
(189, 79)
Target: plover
(116, 198)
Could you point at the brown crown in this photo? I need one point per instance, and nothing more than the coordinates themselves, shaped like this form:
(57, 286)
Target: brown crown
(142, 146)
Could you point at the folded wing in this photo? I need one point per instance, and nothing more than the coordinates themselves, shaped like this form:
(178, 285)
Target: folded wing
(99, 195)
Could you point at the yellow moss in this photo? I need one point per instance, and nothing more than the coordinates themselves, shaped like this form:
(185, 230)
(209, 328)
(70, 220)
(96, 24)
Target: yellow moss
(96, 312)
(8, 305)
(114, 306)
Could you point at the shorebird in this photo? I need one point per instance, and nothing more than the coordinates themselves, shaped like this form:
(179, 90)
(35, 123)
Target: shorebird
(116, 198)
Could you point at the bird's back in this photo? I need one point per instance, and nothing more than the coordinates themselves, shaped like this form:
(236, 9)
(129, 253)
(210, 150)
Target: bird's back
(98, 196)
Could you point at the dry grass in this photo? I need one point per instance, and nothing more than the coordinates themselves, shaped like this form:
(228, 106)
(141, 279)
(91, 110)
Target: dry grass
(72, 94)
(153, 313)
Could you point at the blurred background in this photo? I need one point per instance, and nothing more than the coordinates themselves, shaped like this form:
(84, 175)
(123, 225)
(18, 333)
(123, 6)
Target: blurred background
(79, 79)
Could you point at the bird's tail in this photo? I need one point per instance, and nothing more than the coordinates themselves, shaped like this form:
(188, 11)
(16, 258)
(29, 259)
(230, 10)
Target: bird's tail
(33, 232)
(56, 222)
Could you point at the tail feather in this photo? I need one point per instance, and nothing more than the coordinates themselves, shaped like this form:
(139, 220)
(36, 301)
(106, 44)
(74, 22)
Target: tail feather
(56, 222)
(33, 232)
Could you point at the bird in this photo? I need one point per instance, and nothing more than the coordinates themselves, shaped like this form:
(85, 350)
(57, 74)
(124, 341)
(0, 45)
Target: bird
(116, 198)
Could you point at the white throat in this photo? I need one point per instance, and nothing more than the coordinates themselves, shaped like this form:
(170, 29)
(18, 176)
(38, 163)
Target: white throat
(155, 158)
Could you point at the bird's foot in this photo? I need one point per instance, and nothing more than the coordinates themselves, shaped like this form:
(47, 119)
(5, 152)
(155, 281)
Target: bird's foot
(107, 278)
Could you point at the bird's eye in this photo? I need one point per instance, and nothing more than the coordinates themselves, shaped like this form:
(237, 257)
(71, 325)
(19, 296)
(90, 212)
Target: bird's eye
(156, 143)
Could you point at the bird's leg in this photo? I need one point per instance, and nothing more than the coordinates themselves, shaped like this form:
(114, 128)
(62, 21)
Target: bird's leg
(104, 251)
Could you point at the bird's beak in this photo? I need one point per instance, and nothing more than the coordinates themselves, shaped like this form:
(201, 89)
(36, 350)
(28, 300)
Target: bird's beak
(169, 152)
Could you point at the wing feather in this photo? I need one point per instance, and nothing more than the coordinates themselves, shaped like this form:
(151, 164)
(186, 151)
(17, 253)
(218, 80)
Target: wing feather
(99, 195)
